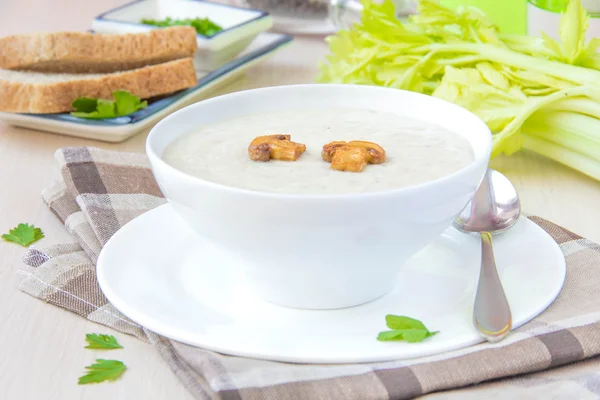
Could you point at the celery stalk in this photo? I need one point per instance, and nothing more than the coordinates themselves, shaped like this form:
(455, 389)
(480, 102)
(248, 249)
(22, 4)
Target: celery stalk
(568, 141)
(577, 104)
(562, 155)
(527, 44)
(513, 127)
(572, 123)
(514, 59)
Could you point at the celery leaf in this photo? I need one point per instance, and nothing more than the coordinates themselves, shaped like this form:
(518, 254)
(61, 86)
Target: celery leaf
(573, 25)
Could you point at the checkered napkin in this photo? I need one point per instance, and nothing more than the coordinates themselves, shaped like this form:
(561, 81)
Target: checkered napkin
(100, 191)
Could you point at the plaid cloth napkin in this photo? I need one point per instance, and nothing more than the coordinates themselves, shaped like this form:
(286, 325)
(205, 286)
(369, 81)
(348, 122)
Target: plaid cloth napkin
(100, 191)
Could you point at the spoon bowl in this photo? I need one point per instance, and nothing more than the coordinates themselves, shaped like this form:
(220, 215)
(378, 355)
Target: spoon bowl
(495, 207)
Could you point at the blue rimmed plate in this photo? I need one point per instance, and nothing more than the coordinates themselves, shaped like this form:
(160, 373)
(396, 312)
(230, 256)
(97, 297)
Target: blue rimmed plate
(119, 129)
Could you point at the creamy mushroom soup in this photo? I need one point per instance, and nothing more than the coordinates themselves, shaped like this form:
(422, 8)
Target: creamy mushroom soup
(416, 152)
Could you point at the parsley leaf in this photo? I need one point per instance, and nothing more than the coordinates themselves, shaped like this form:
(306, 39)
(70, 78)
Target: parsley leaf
(402, 322)
(102, 370)
(100, 341)
(23, 234)
(404, 328)
(203, 26)
(408, 335)
(124, 104)
(85, 104)
(106, 109)
(127, 103)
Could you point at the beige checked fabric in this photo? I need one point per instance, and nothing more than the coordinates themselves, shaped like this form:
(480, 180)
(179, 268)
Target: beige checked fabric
(553, 356)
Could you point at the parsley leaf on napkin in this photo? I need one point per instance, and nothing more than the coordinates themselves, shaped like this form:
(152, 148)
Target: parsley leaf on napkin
(23, 234)
(102, 370)
(404, 328)
(101, 341)
(124, 104)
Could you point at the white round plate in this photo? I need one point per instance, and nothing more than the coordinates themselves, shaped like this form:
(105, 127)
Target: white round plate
(160, 274)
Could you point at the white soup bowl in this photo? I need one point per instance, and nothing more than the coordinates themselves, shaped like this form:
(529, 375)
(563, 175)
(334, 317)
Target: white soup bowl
(320, 251)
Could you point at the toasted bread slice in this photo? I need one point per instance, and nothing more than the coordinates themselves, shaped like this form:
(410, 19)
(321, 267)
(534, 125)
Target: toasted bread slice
(83, 52)
(40, 93)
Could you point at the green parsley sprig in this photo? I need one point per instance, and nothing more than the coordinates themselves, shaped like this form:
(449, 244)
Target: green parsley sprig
(101, 342)
(124, 104)
(203, 26)
(23, 234)
(404, 329)
(102, 370)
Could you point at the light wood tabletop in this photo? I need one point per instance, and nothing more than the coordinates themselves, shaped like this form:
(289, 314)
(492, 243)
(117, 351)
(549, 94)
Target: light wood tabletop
(42, 353)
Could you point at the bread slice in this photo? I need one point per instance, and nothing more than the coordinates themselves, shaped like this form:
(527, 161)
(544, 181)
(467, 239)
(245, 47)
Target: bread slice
(82, 52)
(40, 93)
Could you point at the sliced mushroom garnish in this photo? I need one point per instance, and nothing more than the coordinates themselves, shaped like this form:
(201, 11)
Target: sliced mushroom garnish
(329, 150)
(276, 147)
(376, 151)
(352, 156)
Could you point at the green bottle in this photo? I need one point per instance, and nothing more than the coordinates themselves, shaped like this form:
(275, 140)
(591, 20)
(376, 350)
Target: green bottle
(544, 16)
(509, 15)
(558, 6)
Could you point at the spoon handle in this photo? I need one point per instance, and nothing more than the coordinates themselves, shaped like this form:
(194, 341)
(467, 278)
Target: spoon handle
(491, 313)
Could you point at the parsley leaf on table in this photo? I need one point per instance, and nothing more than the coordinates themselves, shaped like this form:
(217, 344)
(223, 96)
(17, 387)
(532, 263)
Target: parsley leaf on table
(101, 341)
(404, 328)
(124, 104)
(102, 370)
(23, 234)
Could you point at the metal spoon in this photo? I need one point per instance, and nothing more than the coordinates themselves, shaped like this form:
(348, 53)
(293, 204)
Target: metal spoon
(494, 208)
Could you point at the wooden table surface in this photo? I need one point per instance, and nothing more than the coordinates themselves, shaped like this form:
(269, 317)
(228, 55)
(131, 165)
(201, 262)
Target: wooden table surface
(41, 351)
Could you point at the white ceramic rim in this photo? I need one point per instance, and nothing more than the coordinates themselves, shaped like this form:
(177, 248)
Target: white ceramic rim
(157, 160)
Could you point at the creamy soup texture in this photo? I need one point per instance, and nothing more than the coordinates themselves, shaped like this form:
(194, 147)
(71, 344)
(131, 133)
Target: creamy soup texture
(416, 152)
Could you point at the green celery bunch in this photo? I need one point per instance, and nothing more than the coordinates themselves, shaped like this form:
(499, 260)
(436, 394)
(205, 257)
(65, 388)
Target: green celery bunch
(518, 85)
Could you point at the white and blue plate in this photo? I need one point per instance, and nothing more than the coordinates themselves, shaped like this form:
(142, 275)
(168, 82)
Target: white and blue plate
(122, 128)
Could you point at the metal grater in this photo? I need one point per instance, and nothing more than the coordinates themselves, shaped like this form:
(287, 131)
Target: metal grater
(300, 9)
